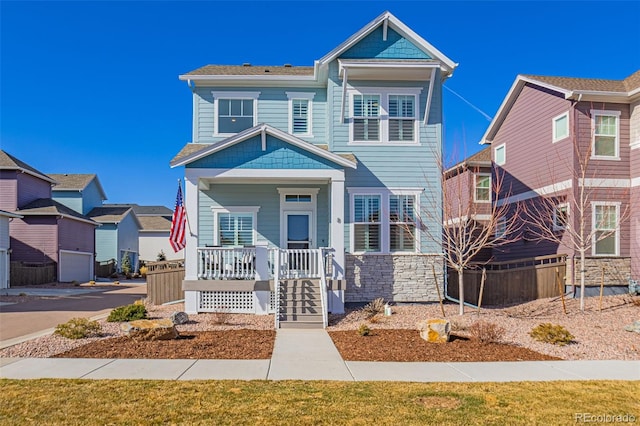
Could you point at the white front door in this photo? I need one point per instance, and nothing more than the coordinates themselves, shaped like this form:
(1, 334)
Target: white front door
(299, 232)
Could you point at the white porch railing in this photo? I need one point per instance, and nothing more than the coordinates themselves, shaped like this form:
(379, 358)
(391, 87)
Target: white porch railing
(218, 263)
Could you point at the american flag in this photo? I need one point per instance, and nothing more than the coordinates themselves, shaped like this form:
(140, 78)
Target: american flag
(177, 237)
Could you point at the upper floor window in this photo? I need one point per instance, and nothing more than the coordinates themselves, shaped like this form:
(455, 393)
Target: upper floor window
(606, 130)
(384, 115)
(300, 113)
(234, 111)
(482, 188)
(561, 127)
(605, 224)
(500, 155)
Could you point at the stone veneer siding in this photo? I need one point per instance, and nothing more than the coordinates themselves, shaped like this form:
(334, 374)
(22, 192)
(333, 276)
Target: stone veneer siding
(394, 277)
(616, 273)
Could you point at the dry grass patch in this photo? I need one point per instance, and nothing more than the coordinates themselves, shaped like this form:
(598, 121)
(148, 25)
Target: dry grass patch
(309, 402)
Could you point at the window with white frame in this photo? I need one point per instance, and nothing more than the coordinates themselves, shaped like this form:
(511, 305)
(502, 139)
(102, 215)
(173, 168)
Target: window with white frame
(300, 113)
(367, 223)
(482, 193)
(560, 216)
(500, 155)
(384, 115)
(605, 223)
(402, 222)
(606, 132)
(501, 228)
(402, 118)
(561, 127)
(235, 226)
(234, 111)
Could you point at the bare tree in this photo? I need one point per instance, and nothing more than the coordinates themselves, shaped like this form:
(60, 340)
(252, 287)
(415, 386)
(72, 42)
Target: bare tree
(473, 217)
(566, 216)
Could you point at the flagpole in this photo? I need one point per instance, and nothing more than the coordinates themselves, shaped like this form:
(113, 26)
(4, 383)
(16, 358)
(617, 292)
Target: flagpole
(186, 214)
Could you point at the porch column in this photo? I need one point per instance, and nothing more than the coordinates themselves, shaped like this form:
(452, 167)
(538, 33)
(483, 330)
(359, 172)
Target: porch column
(337, 227)
(191, 248)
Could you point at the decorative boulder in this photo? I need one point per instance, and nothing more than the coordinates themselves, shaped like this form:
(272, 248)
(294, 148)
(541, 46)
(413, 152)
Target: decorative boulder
(633, 327)
(435, 330)
(161, 329)
(178, 318)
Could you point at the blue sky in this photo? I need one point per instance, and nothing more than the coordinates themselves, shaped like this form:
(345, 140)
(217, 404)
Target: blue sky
(92, 87)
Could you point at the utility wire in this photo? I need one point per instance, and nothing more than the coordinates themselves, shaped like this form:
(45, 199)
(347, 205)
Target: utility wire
(489, 118)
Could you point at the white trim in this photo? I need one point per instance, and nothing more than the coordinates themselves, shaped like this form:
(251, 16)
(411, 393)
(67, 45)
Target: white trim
(504, 155)
(605, 113)
(635, 182)
(383, 116)
(554, 136)
(427, 107)
(383, 241)
(217, 95)
(595, 204)
(475, 188)
(303, 96)
(252, 210)
(264, 174)
(290, 207)
(605, 183)
(545, 190)
(477, 217)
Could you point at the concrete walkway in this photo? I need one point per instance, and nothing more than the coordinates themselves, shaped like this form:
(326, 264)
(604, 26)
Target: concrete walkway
(311, 355)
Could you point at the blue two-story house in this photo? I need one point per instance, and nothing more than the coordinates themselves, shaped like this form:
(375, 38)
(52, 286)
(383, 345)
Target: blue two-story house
(304, 185)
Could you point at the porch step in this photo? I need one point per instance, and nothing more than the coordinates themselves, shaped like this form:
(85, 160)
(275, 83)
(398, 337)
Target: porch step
(301, 316)
(300, 304)
(301, 324)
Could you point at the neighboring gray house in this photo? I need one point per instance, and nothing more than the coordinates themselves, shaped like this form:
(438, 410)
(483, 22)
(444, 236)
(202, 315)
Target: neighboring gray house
(316, 172)
(117, 235)
(48, 231)
(5, 247)
(154, 236)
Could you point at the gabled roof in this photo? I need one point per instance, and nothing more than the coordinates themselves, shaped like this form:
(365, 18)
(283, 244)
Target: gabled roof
(481, 158)
(248, 69)
(9, 162)
(112, 214)
(584, 89)
(388, 19)
(49, 207)
(75, 182)
(189, 154)
(155, 223)
(144, 210)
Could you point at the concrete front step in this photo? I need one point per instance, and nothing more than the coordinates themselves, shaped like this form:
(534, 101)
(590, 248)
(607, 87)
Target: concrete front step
(301, 324)
(292, 316)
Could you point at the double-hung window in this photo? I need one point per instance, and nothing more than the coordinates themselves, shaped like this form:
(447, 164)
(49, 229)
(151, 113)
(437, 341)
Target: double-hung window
(234, 111)
(606, 131)
(482, 192)
(605, 223)
(401, 118)
(367, 223)
(366, 118)
(235, 226)
(300, 113)
(561, 127)
(402, 220)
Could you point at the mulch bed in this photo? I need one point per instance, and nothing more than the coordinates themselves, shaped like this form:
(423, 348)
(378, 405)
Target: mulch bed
(232, 344)
(408, 346)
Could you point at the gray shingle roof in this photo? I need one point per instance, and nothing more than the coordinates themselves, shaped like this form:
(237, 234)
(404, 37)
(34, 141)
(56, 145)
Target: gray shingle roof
(9, 162)
(144, 210)
(591, 84)
(106, 214)
(48, 207)
(242, 70)
(71, 182)
(155, 223)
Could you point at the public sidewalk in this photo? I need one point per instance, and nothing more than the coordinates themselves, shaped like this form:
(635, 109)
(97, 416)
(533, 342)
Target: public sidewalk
(311, 355)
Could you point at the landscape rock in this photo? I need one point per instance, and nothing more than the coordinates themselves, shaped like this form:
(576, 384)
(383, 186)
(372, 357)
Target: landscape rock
(179, 318)
(161, 329)
(633, 327)
(435, 330)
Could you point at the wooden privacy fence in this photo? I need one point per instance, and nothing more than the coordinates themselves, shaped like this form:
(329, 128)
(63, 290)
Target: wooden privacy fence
(516, 281)
(105, 269)
(164, 281)
(32, 273)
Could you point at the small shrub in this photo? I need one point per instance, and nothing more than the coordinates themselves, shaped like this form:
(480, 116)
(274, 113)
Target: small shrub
(221, 315)
(551, 333)
(364, 330)
(377, 318)
(78, 328)
(143, 271)
(128, 313)
(374, 307)
(486, 332)
(125, 266)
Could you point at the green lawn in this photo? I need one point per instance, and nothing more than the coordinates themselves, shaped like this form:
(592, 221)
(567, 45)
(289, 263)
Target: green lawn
(315, 402)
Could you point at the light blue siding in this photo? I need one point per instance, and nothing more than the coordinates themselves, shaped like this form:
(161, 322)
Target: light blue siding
(267, 197)
(71, 199)
(4, 232)
(395, 47)
(128, 234)
(273, 109)
(107, 242)
(278, 155)
(91, 197)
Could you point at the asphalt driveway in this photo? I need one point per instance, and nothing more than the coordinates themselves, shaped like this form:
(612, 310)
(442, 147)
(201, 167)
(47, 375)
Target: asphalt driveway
(35, 316)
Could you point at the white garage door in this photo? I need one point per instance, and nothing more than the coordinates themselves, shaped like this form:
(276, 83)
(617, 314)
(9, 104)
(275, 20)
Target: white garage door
(76, 266)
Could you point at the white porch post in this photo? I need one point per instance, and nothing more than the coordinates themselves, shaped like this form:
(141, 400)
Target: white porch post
(337, 227)
(191, 249)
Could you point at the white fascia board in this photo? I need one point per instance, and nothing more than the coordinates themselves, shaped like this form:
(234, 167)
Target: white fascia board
(9, 214)
(257, 130)
(508, 102)
(545, 190)
(605, 183)
(193, 174)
